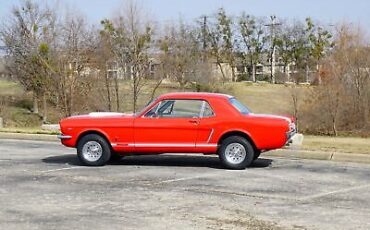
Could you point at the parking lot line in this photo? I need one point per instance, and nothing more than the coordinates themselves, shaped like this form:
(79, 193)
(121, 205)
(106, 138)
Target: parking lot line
(244, 194)
(61, 169)
(319, 195)
(183, 179)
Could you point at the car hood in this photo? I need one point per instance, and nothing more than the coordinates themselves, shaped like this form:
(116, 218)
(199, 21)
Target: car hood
(96, 115)
(108, 114)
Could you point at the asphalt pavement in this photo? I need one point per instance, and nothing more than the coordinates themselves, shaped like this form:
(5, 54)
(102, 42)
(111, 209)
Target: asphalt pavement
(43, 186)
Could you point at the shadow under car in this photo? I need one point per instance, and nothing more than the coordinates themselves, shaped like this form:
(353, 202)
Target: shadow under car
(172, 160)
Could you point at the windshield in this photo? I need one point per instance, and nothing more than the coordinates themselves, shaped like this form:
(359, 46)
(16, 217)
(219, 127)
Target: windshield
(239, 106)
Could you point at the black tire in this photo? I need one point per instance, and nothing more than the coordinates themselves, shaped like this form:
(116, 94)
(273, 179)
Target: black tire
(257, 154)
(98, 141)
(236, 140)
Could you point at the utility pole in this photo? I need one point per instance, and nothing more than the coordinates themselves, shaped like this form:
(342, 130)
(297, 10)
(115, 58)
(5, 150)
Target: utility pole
(204, 32)
(272, 26)
(204, 37)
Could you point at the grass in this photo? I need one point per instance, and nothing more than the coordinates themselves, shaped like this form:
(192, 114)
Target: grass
(10, 88)
(265, 98)
(337, 144)
(18, 117)
(260, 98)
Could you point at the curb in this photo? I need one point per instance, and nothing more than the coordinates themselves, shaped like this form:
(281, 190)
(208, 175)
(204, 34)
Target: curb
(318, 155)
(27, 136)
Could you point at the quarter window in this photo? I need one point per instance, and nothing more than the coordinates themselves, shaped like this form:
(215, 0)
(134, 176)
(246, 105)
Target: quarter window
(207, 110)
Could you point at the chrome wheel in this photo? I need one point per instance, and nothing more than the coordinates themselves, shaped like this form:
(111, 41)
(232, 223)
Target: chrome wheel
(92, 151)
(235, 153)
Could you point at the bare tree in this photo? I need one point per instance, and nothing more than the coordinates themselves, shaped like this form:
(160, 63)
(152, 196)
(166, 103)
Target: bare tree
(342, 99)
(71, 63)
(117, 42)
(213, 43)
(225, 27)
(131, 39)
(352, 59)
(330, 95)
(104, 62)
(180, 54)
(296, 95)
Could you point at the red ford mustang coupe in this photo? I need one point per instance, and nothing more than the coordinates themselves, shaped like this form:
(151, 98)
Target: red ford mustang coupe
(179, 123)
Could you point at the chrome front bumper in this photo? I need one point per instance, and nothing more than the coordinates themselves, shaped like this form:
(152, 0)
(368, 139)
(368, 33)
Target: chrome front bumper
(63, 137)
(290, 135)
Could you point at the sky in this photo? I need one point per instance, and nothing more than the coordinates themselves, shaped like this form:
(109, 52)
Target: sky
(325, 11)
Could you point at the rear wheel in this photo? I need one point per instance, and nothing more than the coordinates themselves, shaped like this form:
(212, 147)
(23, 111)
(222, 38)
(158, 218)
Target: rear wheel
(236, 152)
(93, 150)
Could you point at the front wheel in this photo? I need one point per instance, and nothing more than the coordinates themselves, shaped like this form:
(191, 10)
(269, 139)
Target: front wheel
(236, 152)
(93, 150)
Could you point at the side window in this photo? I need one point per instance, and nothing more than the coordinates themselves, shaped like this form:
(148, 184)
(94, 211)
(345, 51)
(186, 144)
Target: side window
(176, 108)
(187, 108)
(181, 108)
(207, 110)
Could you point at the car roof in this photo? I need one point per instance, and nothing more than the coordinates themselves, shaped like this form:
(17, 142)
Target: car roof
(194, 95)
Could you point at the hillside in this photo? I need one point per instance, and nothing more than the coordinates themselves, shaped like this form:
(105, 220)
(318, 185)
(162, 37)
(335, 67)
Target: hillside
(260, 98)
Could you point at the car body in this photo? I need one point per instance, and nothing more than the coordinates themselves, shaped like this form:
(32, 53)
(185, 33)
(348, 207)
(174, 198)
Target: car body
(179, 123)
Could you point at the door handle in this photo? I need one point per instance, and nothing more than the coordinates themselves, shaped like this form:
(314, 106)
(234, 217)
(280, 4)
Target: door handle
(194, 122)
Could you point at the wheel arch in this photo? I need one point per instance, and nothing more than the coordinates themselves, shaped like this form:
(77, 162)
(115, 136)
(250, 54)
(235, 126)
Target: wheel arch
(237, 133)
(97, 132)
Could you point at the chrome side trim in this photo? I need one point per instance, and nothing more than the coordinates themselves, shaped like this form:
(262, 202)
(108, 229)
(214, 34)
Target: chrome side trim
(163, 145)
(122, 144)
(63, 137)
(210, 136)
(206, 145)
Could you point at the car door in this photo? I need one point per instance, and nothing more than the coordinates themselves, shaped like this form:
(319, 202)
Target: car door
(170, 126)
(208, 124)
